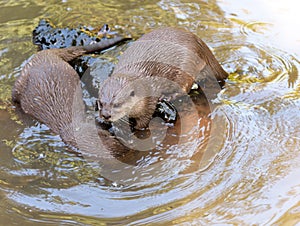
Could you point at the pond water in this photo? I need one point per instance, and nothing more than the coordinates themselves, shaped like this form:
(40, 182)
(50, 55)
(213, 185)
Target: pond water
(236, 164)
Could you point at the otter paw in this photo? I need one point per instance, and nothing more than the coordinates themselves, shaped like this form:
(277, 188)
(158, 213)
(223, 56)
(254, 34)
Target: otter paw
(169, 97)
(141, 124)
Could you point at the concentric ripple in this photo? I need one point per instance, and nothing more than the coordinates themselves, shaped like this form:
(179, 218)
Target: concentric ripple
(238, 164)
(248, 133)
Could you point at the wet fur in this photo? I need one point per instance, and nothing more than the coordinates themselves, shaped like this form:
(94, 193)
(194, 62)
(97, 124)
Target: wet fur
(48, 88)
(172, 54)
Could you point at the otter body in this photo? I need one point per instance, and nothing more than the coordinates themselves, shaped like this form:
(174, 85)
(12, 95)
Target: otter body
(161, 63)
(49, 88)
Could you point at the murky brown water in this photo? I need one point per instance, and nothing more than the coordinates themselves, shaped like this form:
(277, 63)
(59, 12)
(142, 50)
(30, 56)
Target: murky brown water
(250, 169)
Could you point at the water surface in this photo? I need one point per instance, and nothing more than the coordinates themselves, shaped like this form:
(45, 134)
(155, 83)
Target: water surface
(239, 164)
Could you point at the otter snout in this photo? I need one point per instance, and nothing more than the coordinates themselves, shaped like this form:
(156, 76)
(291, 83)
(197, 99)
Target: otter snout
(105, 114)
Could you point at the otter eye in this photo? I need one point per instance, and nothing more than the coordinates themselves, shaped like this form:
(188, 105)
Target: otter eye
(132, 93)
(117, 105)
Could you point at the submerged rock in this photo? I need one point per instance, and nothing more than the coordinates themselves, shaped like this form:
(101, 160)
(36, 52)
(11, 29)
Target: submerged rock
(47, 36)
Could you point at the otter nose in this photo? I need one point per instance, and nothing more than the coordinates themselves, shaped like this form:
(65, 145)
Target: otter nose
(105, 114)
(106, 117)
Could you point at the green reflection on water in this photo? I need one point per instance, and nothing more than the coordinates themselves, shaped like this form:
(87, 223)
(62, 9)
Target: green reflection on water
(260, 103)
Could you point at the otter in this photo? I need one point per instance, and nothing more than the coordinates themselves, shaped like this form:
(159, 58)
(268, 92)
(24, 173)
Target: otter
(49, 89)
(161, 64)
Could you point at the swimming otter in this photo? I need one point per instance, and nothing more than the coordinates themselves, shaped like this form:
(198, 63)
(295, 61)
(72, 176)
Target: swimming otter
(49, 89)
(151, 68)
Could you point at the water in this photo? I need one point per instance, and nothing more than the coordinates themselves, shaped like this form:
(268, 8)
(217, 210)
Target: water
(239, 163)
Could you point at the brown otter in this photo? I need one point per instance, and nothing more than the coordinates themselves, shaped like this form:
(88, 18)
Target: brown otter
(49, 89)
(151, 68)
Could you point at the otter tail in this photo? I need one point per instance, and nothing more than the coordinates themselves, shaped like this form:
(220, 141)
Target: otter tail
(71, 53)
(104, 44)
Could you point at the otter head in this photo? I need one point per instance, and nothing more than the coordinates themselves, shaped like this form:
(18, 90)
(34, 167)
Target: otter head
(120, 96)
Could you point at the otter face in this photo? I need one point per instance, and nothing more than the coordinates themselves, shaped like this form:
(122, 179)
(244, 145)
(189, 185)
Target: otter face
(119, 97)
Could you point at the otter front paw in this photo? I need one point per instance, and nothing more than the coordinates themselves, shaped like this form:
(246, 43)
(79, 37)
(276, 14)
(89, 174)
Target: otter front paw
(141, 123)
(169, 97)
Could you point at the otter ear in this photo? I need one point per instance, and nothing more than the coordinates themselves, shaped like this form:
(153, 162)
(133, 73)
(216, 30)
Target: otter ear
(132, 93)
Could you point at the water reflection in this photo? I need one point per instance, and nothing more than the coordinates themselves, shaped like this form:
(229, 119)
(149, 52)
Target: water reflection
(253, 131)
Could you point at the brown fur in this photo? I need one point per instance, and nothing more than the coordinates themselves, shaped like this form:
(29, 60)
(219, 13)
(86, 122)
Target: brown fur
(155, 64)
(49, 89)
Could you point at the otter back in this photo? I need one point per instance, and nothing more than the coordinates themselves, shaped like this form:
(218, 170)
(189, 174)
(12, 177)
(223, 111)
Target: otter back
(49, 88)
(172, 48)
(164, 63)
(46, 91)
